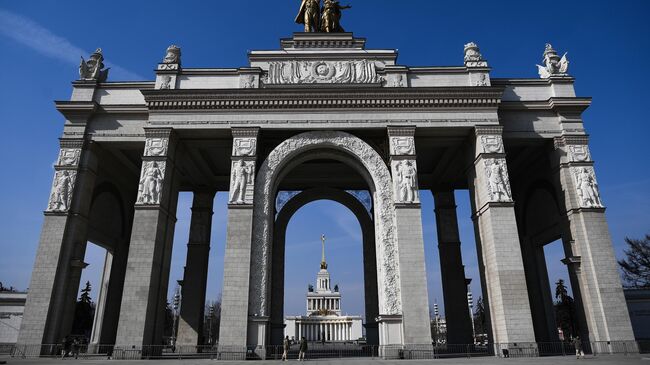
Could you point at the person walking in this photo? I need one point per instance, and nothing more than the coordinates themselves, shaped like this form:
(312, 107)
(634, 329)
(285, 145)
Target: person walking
(285, 348)
(65, 346)
(303, 349)
(76, 346)
(577, 343)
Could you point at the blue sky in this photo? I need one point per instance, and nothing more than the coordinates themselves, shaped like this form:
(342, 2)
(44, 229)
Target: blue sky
(41, 41)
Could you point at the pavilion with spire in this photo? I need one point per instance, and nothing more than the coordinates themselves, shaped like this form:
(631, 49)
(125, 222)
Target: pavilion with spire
(323, 321)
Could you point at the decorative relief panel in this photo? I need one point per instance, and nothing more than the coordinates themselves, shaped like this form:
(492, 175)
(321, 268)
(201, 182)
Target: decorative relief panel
(587, 187)
(248, 81)
(322, 72)
(492, 144)
(405, 178)
(498, 183)
(156, 146)
(579, 153)
(69, 157)
(396, 80)
(385, 219)
(62, 189)
(242, 182)
(402, 146)
(244, 146)
(151, 182)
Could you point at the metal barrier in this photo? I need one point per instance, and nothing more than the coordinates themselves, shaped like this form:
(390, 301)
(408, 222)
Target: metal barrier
(317, 350)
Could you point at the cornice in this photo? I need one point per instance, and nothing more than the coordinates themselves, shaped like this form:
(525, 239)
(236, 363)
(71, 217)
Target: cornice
(326, 98)
(76, 109)
(553, 103)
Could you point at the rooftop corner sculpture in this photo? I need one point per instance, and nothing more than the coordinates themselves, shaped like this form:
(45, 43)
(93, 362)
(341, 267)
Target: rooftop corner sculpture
(325, 19)
(553, 64)
(93, 69)
(173, 55)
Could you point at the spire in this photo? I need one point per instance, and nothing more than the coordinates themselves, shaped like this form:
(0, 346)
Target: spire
(323, 263)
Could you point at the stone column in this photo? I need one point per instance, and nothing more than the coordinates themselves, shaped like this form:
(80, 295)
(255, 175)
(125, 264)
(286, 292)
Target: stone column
(588, 244)
(49, 308)
(237, 261)
(415, 303)
(454, 287)
(498, 240)
(142, 312)
(195, 278)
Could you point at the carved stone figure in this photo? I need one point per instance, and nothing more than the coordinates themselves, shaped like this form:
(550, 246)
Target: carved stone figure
(242, 175)
(61, 195)
(473, 57)
(309, 15)
(156, 146)
(247, 82)
(482, 80)
(93, 69)
(407, 182)
(330, 21)
(166, 82)
(396, 80)
(553, 64)
(173, 55)
(498, 184)
(587, 188)
(150, 190)
(322, 72)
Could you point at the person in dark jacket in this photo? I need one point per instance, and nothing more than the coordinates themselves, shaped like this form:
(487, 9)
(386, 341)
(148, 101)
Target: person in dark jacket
(303, 349)
(285, 348)
(577, 343)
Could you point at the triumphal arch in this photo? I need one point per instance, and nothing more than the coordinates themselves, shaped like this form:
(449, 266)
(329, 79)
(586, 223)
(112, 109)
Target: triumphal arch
(324, 116)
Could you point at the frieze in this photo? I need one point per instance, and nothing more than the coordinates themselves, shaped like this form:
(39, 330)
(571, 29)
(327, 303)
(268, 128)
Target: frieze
(322, 72)
(62, 189)
(69, 157)
(244, 147)
(498, 183)
(312, 121)
(151, 182)
(586, 187)
(402, 146)
(387, 257)
(579, 153)
(492, 144)
(156, 147)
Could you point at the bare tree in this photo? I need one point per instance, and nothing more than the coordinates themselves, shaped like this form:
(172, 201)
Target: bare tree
(636, 265)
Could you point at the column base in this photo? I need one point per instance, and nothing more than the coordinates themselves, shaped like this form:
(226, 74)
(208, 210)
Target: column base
(391, 336)
(372, 333)
(516, 349)
(258, 328)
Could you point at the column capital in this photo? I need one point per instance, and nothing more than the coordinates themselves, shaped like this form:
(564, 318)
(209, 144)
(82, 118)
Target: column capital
(401, 131)
(564, 140)
(481, 130)
(245, 132)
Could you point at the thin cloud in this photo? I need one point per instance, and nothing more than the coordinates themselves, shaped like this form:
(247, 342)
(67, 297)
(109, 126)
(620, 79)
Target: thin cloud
(40, 39)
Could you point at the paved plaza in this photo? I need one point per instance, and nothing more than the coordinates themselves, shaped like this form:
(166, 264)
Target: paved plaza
(603, 360)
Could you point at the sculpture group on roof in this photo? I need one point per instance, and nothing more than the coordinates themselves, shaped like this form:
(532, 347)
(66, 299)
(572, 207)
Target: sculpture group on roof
(325, 19)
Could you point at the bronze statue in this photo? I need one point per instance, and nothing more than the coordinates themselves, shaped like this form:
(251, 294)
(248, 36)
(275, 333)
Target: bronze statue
(309, 15)
(330, 21)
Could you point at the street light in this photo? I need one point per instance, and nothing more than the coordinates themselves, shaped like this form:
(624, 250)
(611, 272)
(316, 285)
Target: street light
(211, 314)
(175, 305)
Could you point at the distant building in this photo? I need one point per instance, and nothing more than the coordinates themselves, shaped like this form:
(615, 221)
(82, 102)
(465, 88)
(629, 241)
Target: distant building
(638, 305)
(324, 321)
(12, 306)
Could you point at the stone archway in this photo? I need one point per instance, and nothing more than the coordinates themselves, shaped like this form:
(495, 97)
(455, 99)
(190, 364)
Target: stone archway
(368, 163)
(278, 257)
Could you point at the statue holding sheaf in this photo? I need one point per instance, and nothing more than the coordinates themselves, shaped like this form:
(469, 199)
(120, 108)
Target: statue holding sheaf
(325, 19)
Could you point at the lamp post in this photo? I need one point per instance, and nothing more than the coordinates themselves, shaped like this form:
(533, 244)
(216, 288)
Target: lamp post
(211, 315)
(176, 305)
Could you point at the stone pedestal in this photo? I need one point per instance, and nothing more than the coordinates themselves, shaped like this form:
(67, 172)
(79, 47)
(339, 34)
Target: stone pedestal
(144, 298)
(498, 240)
(258, 334)
(195, 278)
(49, 308)
(454, 286)
(391, 336)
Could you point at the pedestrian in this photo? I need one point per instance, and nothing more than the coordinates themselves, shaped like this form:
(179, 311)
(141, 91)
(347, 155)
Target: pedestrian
(303, 349)
(577, 343)
(65, 346)
(76, 345)
(285, 348)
